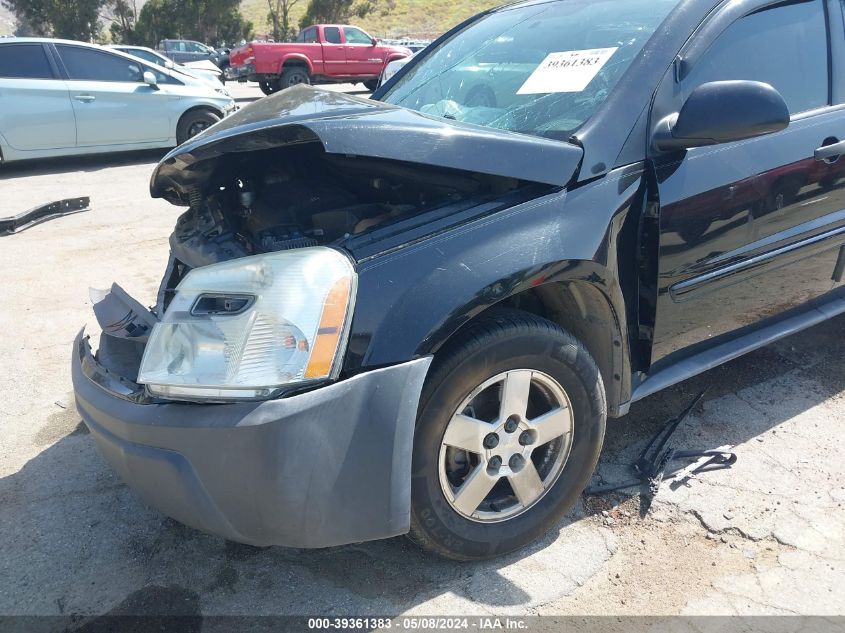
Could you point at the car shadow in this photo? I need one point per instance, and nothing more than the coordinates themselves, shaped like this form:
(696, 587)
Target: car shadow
(92, 163)
(75, 540)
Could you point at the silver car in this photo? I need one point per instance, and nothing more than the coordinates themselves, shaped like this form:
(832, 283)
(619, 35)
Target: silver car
(61, 97)
(205, 70)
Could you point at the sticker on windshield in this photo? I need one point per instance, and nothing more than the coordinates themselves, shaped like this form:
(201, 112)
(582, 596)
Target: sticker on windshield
(570, 71)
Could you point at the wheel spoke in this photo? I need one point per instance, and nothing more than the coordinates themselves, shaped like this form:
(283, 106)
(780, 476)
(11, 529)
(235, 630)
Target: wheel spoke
(552, 425)
(526, 484)
(515, 389)
(474, 489)
(466, 433)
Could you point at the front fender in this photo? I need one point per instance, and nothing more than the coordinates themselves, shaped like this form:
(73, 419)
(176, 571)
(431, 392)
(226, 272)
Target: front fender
(411, 300)
(208, 104)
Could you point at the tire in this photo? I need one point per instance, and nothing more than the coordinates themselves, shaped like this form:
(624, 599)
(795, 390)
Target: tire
(504, 343)
(269, 87)
(294, 77)
(372, 84)
(193, 123)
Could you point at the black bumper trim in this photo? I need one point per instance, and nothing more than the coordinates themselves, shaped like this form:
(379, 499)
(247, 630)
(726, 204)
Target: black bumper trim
(44, 213)
(325, 468)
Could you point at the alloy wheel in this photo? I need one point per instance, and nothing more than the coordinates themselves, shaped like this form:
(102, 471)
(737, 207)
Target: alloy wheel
(505, 446)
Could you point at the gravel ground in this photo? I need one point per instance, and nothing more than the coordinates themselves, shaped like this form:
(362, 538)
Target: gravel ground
(764, 537)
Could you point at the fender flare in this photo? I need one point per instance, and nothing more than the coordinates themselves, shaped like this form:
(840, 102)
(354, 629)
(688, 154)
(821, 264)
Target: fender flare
(299, 57)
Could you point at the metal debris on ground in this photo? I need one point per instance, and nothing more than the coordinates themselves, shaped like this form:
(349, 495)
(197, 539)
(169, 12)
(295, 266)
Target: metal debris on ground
(44, 213)
(651, 468)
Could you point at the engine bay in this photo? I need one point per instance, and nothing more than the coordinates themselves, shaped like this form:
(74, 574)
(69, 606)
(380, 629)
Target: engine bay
(300, 196)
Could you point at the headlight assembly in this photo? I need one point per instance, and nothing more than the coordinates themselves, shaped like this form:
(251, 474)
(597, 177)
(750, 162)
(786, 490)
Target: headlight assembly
(248, 328)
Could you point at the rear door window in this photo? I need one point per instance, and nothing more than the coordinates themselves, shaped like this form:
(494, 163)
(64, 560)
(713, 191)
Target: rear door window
(784, 46)
(332, 34)
(91, 65)
(24, 61)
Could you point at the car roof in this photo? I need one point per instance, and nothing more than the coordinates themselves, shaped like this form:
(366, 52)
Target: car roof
(114, 50)
(46, 40)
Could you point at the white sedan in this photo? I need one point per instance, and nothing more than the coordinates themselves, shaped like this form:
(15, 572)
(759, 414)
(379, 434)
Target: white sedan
(61, 98)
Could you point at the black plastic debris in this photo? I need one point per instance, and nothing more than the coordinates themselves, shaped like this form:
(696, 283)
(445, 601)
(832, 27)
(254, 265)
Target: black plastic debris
(651, 468)
(44, 213)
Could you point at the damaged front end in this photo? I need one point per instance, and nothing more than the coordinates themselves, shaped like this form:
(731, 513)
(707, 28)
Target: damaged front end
(314, 168)
(226, 405)
(298, 183)
(126, 326)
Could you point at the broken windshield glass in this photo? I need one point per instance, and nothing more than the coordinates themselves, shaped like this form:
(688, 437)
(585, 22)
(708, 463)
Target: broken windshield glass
(542, 69)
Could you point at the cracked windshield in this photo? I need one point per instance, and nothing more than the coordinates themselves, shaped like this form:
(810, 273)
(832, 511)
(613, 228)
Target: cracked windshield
(541, 70)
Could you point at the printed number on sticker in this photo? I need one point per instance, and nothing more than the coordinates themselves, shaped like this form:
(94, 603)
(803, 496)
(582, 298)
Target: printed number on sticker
(568, 71)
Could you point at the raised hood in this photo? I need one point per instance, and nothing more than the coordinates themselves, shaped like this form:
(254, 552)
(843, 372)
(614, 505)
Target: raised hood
(349, 125)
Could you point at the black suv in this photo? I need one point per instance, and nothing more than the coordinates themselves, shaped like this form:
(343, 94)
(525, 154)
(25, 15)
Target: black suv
(415, 314)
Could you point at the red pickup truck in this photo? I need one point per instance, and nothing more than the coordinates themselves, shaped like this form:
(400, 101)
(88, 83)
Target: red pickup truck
(326, 53)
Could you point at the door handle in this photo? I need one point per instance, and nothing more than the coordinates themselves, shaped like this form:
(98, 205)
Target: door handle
(828, 152)
(85, 98)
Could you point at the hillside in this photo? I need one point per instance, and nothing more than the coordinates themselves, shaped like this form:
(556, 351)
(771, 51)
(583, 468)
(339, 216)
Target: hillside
(415, 18)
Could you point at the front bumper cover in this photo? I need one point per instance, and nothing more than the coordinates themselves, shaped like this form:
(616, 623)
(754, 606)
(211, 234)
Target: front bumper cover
(319, 469)
(239, 72)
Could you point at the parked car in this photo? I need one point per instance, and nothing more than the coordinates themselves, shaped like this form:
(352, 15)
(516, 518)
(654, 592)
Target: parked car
(394, 67)
(321, 54)
(415, 315)
(415, 46)
(62, 97)
(187, 51)
(223, 60)
(198, 70)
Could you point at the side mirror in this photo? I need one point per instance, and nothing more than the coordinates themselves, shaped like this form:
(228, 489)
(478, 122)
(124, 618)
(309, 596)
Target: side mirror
(722, 112)
(169, 64)
(150, 79)
(374, 41)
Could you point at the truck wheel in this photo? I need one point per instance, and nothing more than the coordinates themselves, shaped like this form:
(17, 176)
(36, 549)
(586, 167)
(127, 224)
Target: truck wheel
(294, 77)
(269, 87)
(372, 84)
(510, 427)
(194, 122)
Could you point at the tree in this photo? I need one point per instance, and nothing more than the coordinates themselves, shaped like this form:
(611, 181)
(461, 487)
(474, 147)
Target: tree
(69, 19)
(211, 21)
(123, 15)
(279, 17)
(338, 11)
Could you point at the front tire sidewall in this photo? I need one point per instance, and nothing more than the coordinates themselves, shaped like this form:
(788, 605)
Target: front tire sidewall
(183, 130)
(567, 362)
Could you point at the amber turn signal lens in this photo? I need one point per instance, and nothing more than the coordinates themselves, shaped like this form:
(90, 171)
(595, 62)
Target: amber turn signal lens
(331, 328)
